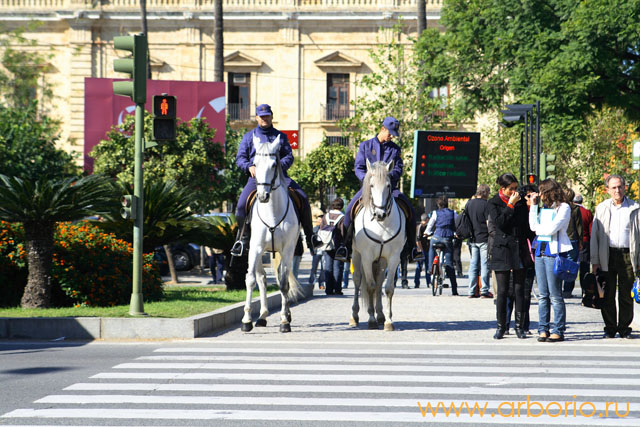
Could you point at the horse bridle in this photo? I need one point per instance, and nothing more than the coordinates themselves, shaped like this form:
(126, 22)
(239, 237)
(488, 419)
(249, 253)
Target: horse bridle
(271, 185)
(387, 207)
(383, 242)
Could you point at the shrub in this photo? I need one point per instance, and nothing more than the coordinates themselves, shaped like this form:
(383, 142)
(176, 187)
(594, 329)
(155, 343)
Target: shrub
(89, 267)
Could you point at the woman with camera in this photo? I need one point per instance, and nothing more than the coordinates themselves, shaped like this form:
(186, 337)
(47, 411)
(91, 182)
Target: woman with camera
(509, 251)
(550, 226)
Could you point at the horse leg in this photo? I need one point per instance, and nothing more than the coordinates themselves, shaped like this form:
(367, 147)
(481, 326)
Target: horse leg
(379, 272)
(388, 289)
(262, 286)
(250, 282)
(285, 313)
(357, 277)
(370, 293)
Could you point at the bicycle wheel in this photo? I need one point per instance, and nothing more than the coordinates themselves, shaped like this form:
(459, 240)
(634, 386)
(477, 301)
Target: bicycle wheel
(435, 278)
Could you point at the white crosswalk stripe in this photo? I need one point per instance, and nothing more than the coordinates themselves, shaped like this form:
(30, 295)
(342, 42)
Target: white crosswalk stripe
(311, 385)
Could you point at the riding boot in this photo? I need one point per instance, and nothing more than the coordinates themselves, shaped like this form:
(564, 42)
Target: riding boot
(501, 315)
(520, 332)
(451, 273)
(343, 253)
(242, 240)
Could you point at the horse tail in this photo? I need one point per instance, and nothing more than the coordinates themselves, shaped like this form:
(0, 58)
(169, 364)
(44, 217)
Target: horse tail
(295, 290)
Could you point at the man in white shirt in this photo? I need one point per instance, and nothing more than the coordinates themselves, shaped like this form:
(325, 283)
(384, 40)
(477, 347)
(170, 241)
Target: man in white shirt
(610, 254)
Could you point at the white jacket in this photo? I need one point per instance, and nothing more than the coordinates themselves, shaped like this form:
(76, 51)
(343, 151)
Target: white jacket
(555, 228)
(600, 233)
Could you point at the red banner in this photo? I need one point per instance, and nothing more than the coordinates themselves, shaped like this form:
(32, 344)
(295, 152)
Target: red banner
(293, 138)
(103, 109)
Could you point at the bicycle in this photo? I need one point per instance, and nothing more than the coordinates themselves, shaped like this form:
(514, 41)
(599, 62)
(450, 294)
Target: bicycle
(437, 269)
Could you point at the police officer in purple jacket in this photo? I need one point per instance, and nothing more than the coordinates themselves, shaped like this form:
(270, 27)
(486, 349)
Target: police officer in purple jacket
(244, 160)
(381, 148)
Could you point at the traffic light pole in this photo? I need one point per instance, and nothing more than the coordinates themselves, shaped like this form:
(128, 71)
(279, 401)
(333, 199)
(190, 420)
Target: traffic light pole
(136, 307)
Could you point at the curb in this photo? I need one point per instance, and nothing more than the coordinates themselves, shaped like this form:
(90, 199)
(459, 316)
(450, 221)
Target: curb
(113, 328)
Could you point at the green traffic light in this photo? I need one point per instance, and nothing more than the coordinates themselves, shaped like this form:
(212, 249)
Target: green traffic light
(136, 67)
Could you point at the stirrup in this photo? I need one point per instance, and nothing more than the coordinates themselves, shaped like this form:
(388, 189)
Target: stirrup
(342, 254)
(416, 256)
(237, 249)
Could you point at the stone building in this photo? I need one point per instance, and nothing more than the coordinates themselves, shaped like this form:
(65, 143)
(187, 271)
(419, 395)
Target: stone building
(300, 56)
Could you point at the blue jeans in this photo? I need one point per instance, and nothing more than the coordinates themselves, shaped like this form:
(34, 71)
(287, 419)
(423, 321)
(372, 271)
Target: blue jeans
(317, 259)
(550, 290)
(345, 277)
(333, 270)
(448, 250)
(479, 266)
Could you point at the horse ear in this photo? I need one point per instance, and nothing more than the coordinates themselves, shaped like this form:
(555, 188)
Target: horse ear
(368, 165)
(390, 166)
(256, 142)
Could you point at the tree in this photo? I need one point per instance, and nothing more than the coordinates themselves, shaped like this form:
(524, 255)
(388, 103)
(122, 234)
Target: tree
(575, 57)
(330, 165)
(192, 161)
(39, 205)
(232, 178)
(218, 56)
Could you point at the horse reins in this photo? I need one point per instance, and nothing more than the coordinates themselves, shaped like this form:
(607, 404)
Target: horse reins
(275, 175)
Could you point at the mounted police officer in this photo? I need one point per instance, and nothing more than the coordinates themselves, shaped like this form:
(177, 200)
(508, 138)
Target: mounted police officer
(246, 152)
(381, 148)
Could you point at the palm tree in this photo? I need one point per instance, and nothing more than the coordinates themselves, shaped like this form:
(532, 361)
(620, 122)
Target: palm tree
(39, 205)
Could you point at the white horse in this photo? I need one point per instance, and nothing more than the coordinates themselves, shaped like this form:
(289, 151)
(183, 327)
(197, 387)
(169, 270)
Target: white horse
(379, 236)
(275, 228)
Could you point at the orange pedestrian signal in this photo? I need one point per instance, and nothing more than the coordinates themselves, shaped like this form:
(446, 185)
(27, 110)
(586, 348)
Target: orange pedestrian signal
(164, 118)
(532, 179)
(164, 106)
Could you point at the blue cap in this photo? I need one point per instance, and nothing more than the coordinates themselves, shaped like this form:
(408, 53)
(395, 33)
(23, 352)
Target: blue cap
(264, 110)
(392, 124)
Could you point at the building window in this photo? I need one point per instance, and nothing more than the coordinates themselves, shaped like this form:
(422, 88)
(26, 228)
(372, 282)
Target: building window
(442, 93)
(339, 140)
(337, 96)
(238, 106)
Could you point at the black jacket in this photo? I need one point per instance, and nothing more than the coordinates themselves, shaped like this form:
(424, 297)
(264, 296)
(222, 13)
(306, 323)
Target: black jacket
(477, 209)
(509, 246)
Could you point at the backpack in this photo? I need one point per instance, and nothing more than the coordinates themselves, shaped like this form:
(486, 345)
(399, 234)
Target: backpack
(592, 292)
(464, 227)
(327, 232)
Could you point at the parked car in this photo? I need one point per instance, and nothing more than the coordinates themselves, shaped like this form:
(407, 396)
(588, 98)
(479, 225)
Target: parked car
(185, 257)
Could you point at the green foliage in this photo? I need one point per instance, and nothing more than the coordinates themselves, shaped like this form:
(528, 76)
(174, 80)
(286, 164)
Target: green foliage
(89, 268)
(192, 161)
(499, 153)
(24, 66)
(575, 57)
(232, 178)
(27, 145)
(326, 166)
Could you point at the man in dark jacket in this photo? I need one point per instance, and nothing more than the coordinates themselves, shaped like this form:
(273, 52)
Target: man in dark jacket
(478, 243)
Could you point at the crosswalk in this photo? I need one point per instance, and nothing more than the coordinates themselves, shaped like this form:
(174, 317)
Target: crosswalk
(336, 384)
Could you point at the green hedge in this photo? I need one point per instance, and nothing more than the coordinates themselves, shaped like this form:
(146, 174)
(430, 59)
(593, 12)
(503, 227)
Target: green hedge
(89, 268)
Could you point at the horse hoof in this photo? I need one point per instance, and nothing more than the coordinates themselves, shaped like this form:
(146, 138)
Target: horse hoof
(261, 323)
(389, 326)
(353, 322)
(285, 327)
(373, 325)
(246, 327)
(381, 320)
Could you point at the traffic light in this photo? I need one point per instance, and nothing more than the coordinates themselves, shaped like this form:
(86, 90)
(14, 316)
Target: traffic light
(547, 166)
(532, 179)
(164, 118)
(128, 210)
(136, 67)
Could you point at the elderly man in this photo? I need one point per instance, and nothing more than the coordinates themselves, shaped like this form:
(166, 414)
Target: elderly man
(610, 244)
(244, 160)
(381, 148)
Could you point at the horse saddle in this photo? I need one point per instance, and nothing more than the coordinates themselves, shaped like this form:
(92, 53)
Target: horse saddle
(357, 207)
(293, 195)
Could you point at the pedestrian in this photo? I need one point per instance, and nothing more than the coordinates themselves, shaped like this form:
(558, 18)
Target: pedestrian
(382, 148)
(479, 243)
(297, 256)
(244, 160)
(423, 244)
(575, 233)
(216, 263)
(317, 258)
(457, 255)
(550, 226)
(611, 241)
(508, 256)
(585, 252)
(333, 268)
(441, 227)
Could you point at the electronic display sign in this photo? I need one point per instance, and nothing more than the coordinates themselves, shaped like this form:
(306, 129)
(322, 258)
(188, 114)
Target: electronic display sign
(445, 164)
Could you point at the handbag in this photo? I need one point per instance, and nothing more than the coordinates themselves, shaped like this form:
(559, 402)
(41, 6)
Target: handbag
(564, 268)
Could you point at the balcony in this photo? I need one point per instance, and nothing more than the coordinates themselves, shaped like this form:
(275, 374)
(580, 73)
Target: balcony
(334, 112)
(239, 112)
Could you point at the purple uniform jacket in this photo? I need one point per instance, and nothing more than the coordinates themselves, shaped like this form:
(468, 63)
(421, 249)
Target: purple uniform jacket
(246, 151)
(374, 151)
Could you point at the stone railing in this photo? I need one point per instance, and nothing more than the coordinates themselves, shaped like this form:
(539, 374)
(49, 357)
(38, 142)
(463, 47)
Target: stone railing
(195, 5)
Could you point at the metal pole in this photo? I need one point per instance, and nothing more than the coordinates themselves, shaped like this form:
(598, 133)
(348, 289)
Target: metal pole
(136, 307)
(521, 157)
(538, 142)
(526, 141)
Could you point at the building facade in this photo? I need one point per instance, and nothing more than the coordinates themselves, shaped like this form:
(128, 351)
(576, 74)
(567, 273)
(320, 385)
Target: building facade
(302, 57)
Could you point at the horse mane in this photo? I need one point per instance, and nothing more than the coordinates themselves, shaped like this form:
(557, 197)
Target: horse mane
(379, 174)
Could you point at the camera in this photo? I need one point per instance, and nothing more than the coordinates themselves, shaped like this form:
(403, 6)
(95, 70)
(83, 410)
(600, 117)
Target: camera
(522, 191)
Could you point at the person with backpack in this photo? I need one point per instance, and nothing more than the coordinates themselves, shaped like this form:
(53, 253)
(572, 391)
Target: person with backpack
(442, 227)
(476, 208)
(333, 269)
